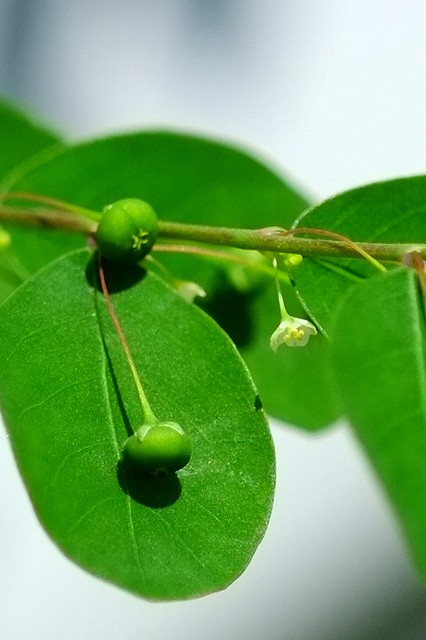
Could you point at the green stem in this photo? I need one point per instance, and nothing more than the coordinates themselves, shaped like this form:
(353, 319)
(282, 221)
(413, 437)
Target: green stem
(222, 256)
(283, 311)
(279, 240)
(95, 216)
(16, 266)
(47, 218)
(149, 417)
(338, 236)
(272, 239)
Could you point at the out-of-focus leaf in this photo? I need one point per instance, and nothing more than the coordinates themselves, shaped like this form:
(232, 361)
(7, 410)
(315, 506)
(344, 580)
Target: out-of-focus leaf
(24, 146)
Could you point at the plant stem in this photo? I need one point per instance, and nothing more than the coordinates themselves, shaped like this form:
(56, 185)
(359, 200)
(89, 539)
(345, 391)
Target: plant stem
(149, 417)
(53, 202)
(47, 218)
(273, 239)
(220, 255)
(338, 236)
(283, 241)
(283, 311)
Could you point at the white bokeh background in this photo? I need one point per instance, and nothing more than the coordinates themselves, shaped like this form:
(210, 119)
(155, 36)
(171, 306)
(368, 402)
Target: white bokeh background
(331, 93)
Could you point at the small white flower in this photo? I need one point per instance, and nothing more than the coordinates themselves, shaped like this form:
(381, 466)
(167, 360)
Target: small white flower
(293, 332)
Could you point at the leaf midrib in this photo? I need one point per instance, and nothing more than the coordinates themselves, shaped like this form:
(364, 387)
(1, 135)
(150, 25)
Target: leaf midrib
(114, 435)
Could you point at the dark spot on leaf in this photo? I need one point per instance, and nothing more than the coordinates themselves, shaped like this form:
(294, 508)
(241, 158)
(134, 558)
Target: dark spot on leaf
(154, 491)
(258, 405)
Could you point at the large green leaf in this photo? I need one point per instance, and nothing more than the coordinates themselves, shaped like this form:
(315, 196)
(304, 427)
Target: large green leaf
(391, 211)
(190, 179)
(68, 401)
(25, 145)
(379, 353)
(20, 139)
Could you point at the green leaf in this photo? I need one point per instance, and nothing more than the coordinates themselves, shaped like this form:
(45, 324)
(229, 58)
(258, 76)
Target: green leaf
(379, 351)
(190, 179)
(392, 211)
(69, 404)
(305, 393)
(20, 139)
(185, 179)
(24, 146)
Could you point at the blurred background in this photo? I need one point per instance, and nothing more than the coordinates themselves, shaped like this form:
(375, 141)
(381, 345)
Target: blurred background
(331, 94)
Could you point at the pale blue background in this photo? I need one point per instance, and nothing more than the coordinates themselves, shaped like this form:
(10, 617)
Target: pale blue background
(332, 93)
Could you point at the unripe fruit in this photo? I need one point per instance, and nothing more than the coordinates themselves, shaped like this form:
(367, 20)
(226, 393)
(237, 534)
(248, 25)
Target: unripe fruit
(160, 447)
(127, 230)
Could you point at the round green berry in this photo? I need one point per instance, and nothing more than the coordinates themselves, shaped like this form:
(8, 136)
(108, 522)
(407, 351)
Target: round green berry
(161, 447)
(127, 230)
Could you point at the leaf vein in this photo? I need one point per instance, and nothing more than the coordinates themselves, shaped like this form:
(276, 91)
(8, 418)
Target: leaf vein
(185, 545)
(51, 330)
(115, 439)
(36, 405)
(87, 513)
(201, 506)
(71, 455)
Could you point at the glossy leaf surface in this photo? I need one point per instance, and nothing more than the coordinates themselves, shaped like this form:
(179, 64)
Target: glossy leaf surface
(189, 179)
(393, 211)
(69, 404)
(380, 361)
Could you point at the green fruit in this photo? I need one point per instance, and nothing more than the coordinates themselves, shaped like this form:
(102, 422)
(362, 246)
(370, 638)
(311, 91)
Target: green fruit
(161, 447)
(127, 230)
